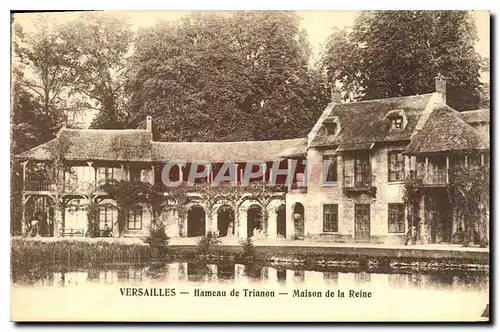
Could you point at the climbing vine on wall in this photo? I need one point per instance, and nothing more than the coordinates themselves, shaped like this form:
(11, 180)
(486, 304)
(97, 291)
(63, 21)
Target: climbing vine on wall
(127, 194)
(469, 194)
(412, 194)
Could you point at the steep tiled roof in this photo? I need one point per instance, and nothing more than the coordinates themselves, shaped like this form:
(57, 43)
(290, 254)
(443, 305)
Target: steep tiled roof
(365, 122)
(475, 116)
(446, 131)
(96, 144)
(221, 151)
(297, 150)
(136, 145)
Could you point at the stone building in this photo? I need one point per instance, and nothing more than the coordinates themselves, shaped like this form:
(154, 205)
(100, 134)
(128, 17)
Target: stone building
(347, 185)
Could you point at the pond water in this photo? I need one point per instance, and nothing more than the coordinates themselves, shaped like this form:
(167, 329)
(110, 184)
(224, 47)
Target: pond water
(228, 291)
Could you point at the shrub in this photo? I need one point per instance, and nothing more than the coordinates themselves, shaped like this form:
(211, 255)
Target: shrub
(248, 248)
(206, 243)
(157, 239)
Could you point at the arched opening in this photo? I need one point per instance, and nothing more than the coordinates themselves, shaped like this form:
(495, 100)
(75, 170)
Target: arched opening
(225, 220)
(39, 212)
(254, 219)
(298, 220)
(196, 221)
(281, 221)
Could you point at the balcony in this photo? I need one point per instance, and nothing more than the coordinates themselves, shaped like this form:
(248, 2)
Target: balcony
(433, 178)
(359, 184)
(39, 186)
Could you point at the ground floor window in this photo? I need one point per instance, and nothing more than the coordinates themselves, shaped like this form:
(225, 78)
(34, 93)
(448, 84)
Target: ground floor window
(106, 218)
(396, 218)
(135, 219)
(330, 217)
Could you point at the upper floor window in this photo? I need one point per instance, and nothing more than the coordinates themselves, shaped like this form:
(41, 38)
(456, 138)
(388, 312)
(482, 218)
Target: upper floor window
(397, 122)
(105, 173)
(397, 119)
(135, 218)
(396, 162)
(332, 126)
(330, 168)
(362, 170)
(330, 217)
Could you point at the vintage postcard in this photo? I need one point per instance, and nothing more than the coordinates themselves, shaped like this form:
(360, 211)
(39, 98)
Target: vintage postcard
(261, 166)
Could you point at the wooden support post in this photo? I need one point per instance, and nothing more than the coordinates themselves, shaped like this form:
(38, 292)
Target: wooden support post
(289, 176)
(152, 179)
(340, 164)
(25, 164)
(91, 171)
(426, 176)
(482, 159)
(447, 169)
(407, 167)
(23, 216)
(466, 161)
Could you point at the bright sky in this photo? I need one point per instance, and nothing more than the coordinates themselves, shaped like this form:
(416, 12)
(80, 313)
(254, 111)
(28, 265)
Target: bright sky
(318, 24)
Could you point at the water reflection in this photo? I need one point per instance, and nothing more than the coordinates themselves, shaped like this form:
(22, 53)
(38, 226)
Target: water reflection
(201, 273)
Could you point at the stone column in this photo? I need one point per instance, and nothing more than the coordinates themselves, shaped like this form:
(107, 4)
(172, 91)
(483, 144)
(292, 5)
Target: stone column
(242, 228)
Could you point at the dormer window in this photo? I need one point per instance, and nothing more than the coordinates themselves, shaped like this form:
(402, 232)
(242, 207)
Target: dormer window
(331, 126)
(397, 120)
(330, 129)
(397, 123)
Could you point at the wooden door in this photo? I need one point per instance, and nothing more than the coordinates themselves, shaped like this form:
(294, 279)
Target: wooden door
(362, 222)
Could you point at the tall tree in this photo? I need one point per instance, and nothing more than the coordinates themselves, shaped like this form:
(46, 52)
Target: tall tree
(30, 126)
(41, 68)
(231, 76)
(99, 45)
(397, 53)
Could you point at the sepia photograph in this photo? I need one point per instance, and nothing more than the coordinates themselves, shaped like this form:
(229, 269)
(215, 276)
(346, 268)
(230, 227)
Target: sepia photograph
(250, 166)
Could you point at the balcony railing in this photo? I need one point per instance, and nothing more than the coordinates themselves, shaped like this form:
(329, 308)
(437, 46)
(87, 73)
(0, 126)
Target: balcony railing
(363, 181)
(39, 186)
(433, 177)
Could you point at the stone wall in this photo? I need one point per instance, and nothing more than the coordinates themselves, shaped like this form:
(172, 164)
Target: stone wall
(318, 194)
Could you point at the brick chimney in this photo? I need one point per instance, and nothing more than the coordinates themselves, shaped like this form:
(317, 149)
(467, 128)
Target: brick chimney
(441, 86)
(336, 95)
(149, 123)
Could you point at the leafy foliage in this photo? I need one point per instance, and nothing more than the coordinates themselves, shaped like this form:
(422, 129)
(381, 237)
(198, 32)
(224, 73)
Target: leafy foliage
(248, 248)
(42, 68)
(127, 194)
(412, 195)
(92, 219)
(207, 242)
(469, 193)
(157, 239)
(212, 72)
(399, 53)
(98, 46)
